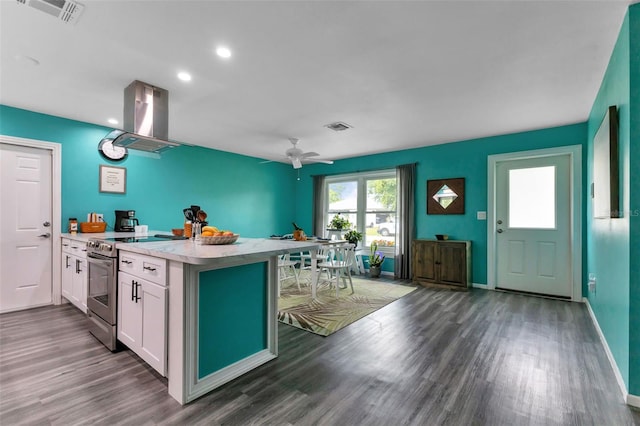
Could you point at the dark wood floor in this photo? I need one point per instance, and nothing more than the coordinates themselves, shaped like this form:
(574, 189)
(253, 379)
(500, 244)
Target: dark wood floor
(434, 357)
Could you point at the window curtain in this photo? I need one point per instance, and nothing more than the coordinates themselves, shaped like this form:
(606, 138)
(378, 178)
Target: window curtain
(318, 206)
(405, 205)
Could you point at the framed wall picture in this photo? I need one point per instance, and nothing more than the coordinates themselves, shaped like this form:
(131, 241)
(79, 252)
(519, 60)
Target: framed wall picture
(113, 179)
(445, 196)
(605, 187)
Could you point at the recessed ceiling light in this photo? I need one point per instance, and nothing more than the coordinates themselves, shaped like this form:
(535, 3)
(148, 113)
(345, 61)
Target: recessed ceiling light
(184, 76)
(223, 52)
(112, 121)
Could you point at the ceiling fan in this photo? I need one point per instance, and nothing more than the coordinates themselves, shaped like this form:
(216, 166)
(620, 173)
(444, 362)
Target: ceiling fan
(297, 157)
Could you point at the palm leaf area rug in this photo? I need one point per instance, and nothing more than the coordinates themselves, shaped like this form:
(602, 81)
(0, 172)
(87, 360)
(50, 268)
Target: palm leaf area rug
(328, 314)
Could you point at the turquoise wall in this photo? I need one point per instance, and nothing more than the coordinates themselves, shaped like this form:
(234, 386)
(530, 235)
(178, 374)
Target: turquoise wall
(236, 191)
(612, 244)
(467, 159)
(232, 315)
(634, 195)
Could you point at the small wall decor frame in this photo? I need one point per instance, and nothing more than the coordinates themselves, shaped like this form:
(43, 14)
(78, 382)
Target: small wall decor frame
(445, 196)
(113, 179)
(605, 189)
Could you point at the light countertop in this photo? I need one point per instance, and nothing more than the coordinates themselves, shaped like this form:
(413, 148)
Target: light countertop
(188, 251)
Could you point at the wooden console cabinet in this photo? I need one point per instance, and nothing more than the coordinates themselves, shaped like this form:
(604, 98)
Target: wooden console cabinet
(442, 263)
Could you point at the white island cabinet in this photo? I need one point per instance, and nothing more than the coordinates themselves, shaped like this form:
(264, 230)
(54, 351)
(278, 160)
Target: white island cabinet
(142, 307)
(222, 308)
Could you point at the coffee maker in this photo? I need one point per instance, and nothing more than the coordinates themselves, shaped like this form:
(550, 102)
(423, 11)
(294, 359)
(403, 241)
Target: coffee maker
(125, 221)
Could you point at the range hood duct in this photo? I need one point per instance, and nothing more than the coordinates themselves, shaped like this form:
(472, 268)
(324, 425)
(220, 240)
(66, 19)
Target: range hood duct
(146, 119)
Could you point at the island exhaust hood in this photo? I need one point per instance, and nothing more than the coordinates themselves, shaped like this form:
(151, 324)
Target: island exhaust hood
(146, 119)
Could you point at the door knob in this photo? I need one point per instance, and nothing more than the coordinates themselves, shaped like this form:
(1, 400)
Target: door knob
(499, 222)
(46, 224)
(45, 235)
(500, 231)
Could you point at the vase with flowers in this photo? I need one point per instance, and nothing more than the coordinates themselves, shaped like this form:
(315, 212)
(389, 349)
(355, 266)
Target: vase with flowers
(375, 260)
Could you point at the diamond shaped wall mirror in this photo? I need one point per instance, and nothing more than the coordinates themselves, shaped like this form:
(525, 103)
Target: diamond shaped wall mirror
(445, 196)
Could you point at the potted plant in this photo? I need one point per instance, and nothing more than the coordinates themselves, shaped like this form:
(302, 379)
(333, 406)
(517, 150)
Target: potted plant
(339, 222)
(353, 237)
(375, 260)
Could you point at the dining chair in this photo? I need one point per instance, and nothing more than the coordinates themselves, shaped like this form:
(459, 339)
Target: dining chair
(286, 266)
(339, 265)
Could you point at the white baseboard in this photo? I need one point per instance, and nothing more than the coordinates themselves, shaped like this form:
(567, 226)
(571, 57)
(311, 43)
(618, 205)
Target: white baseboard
(633, 400)
(482, 286)
(616, 371)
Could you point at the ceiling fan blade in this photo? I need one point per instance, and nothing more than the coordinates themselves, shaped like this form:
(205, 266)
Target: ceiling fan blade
(309, 154)
(267, 161)
(317, 160)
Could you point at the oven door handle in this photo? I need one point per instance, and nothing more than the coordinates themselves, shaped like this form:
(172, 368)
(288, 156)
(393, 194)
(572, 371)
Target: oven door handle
(100, 260)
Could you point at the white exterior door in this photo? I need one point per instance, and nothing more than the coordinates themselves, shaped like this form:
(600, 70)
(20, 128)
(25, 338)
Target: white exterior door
(533, 225)
(25, 227)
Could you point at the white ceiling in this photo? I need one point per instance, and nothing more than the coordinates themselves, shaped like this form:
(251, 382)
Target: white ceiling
(404, 74)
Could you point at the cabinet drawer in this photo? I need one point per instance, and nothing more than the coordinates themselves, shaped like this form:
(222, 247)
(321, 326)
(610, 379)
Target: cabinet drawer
(79, 248)
(66, 245)
(148, 267)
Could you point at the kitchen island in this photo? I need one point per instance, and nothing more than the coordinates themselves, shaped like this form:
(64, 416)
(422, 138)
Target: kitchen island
(222, 308)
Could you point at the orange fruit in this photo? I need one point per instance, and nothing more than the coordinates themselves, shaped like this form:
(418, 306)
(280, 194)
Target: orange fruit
(207, 234)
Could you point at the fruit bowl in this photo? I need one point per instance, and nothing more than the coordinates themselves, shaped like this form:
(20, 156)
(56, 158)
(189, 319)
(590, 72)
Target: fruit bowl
(225, 239)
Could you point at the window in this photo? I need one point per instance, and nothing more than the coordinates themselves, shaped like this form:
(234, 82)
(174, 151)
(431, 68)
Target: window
(532, 198)
(368, 201)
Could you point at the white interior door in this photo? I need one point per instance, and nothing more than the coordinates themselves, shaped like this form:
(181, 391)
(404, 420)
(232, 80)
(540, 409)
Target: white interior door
(533, 225)
(25, 227)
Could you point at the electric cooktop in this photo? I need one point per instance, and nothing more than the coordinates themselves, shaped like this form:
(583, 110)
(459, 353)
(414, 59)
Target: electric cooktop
(145, 238)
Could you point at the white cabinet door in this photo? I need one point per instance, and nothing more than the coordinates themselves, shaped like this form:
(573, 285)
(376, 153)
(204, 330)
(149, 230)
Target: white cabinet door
(129, 312)
(142, 319)
(154, 308)
(68, 268)
(83, 284)
(79, 283)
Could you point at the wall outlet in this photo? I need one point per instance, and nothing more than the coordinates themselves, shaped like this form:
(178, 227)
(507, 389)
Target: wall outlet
(592, 283)
(481, 215)
(100, 217)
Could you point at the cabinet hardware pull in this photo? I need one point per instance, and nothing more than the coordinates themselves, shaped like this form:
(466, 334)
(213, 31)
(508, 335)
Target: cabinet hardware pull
(149, 268)
(126, 261)
(133, 284)
(67, 261)
(137, 288)
(77, 266)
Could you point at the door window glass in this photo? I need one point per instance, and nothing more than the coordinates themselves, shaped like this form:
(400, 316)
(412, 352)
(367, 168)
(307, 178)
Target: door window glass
(532, 198)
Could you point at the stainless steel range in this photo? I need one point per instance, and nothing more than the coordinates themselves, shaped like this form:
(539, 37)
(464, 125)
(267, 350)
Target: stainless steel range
(102, 261)
(102, 297)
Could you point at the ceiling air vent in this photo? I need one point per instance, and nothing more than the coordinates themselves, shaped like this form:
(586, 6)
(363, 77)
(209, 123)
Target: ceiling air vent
(338, 126)
(68, 11)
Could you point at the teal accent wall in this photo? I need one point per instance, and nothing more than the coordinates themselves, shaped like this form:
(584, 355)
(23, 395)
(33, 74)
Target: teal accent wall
(634, 196)
(232, 315)
(467, 159)
(613, 245)
(236, 191)
(634, 199)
